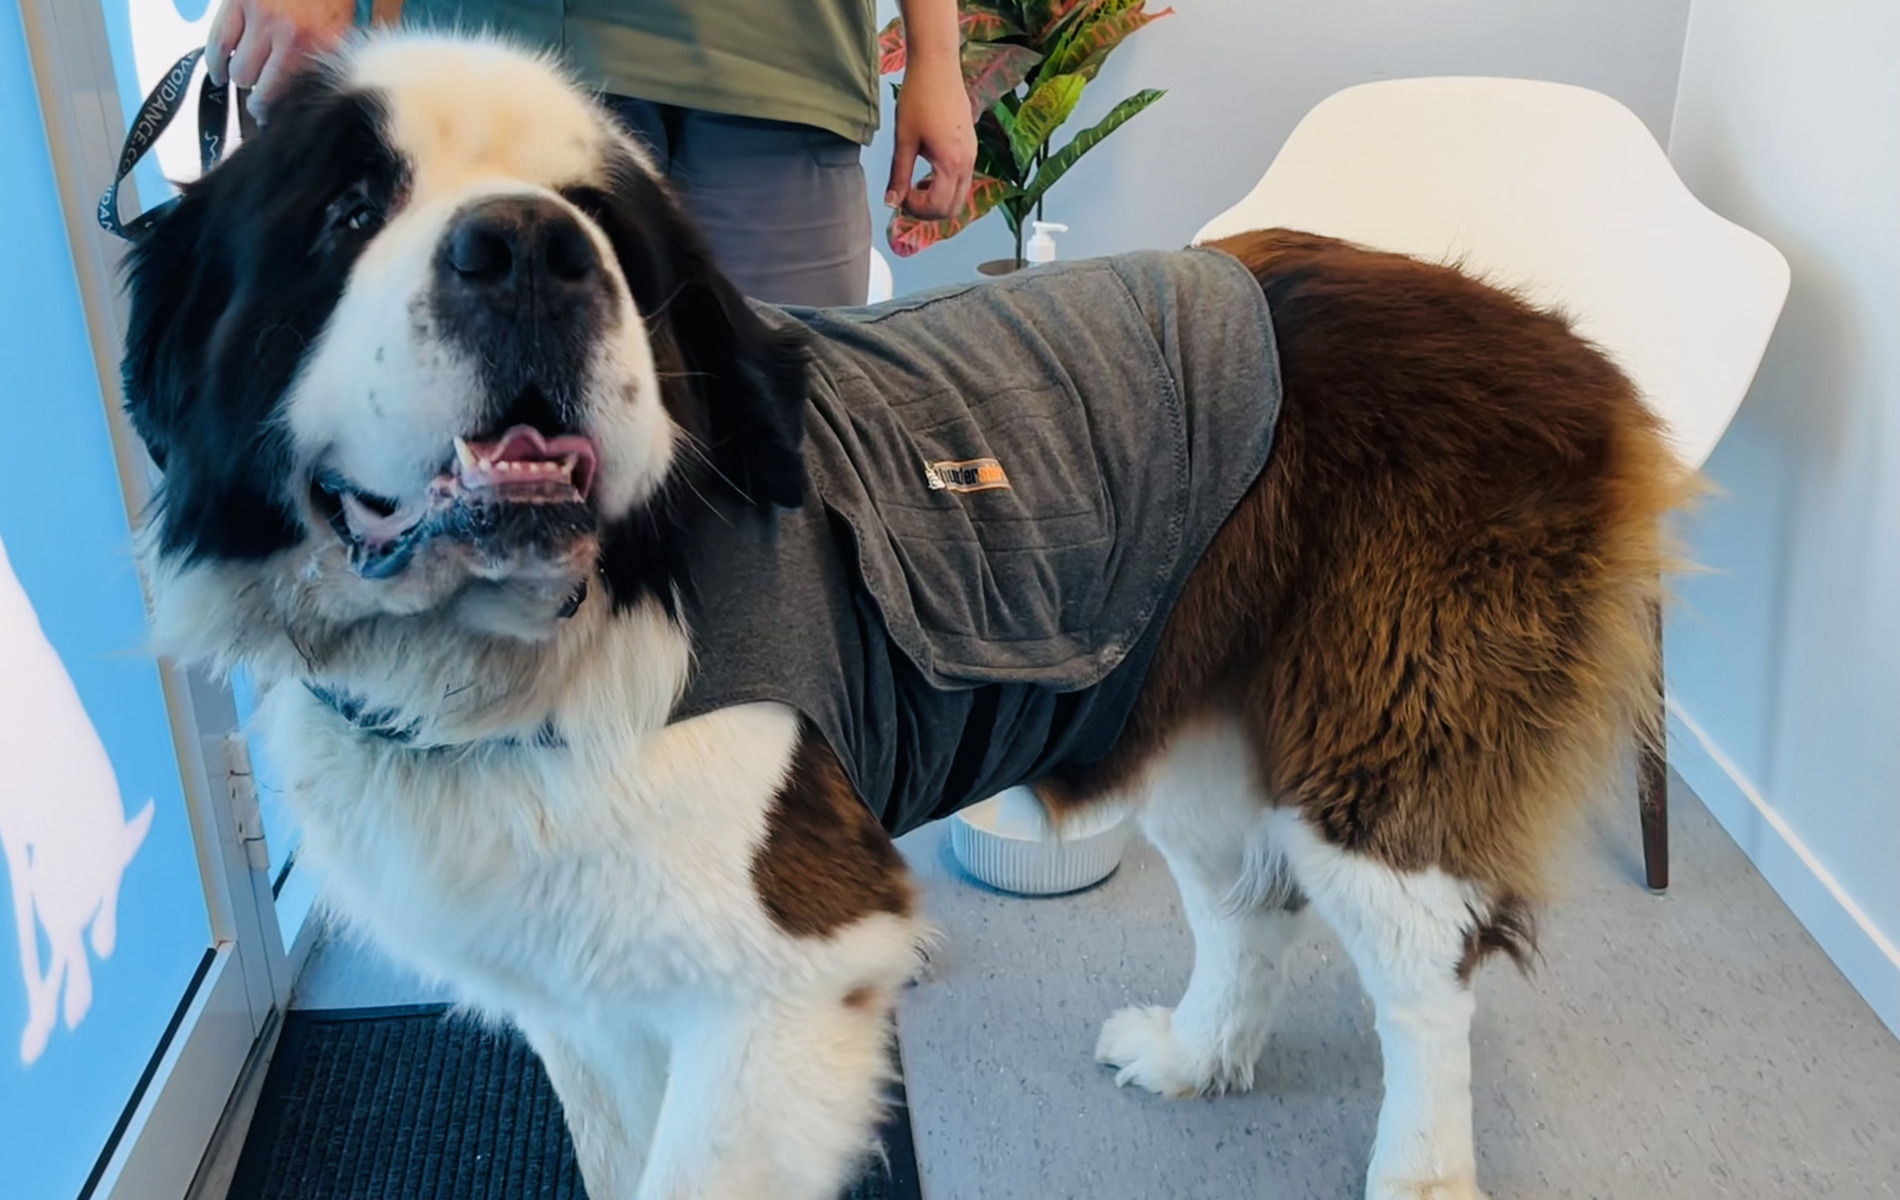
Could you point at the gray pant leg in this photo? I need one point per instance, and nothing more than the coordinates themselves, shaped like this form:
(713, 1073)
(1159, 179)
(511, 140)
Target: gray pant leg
(647, 122)
(783, 206)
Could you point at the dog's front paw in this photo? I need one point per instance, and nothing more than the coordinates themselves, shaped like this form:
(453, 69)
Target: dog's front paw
(1140, 1043)
(1437, 1189)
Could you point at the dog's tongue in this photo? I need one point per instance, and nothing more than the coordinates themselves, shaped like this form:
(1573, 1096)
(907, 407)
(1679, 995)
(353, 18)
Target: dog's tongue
(375, 528)
(522, 465)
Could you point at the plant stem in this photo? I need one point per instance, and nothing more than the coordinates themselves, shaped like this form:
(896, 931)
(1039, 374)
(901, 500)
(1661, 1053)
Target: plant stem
(1042, 156)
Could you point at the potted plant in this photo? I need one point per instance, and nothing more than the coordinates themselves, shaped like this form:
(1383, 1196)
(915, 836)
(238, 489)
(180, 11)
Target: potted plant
(1025, 66)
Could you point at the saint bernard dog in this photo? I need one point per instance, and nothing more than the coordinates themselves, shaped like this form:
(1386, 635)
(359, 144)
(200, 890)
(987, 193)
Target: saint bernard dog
(442, 385)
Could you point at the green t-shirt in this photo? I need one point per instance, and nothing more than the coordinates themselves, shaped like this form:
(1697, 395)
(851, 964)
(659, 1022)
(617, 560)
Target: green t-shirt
(812, 62)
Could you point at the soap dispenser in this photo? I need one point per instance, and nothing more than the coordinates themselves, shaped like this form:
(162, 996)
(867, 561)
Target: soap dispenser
(1042, 247)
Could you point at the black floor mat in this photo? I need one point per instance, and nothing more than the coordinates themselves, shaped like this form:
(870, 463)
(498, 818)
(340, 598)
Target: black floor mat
(403, 1104)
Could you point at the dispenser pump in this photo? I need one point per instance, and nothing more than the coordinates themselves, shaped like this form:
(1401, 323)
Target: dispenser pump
(1042, 247)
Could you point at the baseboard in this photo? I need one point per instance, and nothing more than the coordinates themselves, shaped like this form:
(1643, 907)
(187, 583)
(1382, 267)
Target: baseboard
(1865, 955)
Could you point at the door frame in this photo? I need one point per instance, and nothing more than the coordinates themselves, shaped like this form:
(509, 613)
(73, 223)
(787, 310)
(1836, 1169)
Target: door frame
(225, 1017)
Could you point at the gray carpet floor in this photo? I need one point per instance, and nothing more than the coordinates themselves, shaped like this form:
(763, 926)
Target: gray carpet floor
(1685, 1046)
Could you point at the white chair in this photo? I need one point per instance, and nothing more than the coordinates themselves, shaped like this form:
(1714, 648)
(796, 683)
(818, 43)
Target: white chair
(879, 289)
(1563, 194)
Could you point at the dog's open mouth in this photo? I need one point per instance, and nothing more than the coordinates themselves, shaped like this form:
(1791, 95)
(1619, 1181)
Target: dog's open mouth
(481, 481)
(520, 467)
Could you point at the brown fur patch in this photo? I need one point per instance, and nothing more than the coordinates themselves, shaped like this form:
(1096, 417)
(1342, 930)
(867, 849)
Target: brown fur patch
(1510, 927)
(863, 998)
(826, 862)
(1431, 609)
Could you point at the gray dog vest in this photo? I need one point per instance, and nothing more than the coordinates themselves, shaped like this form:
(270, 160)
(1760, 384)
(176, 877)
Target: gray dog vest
(1010, 483)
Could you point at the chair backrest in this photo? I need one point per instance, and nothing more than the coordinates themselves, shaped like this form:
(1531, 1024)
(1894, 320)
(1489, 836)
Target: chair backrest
(1558, 192)
(879, 288)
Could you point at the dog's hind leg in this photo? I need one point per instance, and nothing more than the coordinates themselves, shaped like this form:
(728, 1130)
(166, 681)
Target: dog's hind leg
(1414, 937)
(1205, 814)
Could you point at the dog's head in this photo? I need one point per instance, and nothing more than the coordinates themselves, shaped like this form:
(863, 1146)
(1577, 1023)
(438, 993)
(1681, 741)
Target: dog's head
(431, 346)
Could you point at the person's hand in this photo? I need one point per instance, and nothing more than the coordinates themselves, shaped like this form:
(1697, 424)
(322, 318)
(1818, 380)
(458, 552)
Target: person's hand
(260, 44)
(933, 120)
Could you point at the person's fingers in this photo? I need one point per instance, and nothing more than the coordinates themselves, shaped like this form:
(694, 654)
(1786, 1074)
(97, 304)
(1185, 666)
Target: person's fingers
(284, 62)
(959, 180)
(253, 53)
(903, 166)
(226, 28)
(270, 82)
(948, 187)
(931, 200)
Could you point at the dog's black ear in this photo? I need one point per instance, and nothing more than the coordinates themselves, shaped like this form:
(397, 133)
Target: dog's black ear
(177, 286)
(750, 378)
(222, 495)
(228, 291)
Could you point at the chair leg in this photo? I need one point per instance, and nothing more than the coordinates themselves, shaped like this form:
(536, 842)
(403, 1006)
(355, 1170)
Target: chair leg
(1652, 778)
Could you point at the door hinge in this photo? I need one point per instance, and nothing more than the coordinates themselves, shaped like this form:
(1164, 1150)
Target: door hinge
(241, 785)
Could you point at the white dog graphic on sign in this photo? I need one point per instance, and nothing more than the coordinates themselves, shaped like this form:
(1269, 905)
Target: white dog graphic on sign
(66, 837)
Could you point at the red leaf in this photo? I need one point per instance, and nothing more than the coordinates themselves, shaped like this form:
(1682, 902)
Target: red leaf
(981, 22)
(977, 24)
(907, 235)
(1041, 17)
(890, 47)
(992, 68)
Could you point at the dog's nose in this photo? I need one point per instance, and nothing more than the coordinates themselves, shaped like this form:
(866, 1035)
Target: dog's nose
(520, 290)
(501, 247)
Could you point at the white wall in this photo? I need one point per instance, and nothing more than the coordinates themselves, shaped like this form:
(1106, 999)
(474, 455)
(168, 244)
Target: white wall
(1784, 664)
(1241, 73)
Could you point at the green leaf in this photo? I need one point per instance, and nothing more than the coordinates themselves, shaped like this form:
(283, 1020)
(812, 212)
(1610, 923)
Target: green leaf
(993, 156)
(907, 235)
(1001, 166)
(891, 47)
(992, 68)
(1058, 164)
(996, 131)
(1049, 104)
(1011, 217)
(1082, 49)
(984, 21)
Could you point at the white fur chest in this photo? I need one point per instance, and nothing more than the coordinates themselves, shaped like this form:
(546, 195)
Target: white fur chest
(607, 866)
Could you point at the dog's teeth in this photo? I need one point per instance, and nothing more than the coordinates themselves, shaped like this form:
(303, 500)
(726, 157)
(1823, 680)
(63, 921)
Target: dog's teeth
(465, 456)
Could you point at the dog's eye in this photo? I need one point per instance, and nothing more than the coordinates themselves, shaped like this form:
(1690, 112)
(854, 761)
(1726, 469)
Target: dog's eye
(360, 217)
(354, 214)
